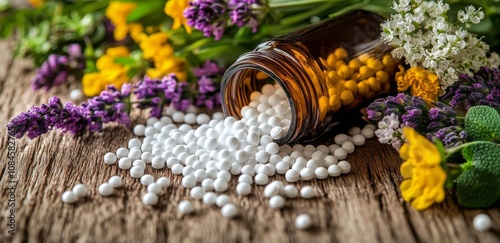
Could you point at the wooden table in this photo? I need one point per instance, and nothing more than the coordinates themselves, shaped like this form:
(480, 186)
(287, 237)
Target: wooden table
(363, 206)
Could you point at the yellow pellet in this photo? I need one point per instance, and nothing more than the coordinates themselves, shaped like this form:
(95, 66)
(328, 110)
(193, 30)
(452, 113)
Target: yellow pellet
(340, 86)
(363, 58)
(363, 88)
(355, 64)
(374, 64)
(387, 60)
(346, 97)
(334, 76)
(324, 105)
(352, 86)
(331, 59)
(355, 77)
(335, 102)
(340, 53)
(261, 75)
(345, 71)
(339, 64)
(374, 84)
(365, 72)
(382, 77)
(332, 91)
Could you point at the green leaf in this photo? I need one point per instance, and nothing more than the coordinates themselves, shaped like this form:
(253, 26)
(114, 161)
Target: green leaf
(144, 9)
(484, 156)
(482, 123)
(478, 189)
(128, 61)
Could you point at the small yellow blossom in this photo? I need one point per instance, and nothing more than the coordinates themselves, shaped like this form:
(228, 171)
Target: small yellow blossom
(175, 9)
(36, 3)
(108, 73)
(117, 13)
(423, 175)
(422, 82)
(156, 48)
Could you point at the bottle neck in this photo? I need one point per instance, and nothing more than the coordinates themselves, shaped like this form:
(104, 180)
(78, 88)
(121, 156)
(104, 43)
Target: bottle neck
(295, 71)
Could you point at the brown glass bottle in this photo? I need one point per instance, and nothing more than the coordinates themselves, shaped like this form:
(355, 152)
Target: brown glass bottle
(326, 70)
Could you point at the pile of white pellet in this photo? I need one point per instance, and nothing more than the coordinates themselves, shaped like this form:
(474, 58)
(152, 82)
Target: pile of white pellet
(207, 157)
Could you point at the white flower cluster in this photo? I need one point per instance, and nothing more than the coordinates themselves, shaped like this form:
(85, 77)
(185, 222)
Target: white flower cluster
(422, 34)
(390, 131)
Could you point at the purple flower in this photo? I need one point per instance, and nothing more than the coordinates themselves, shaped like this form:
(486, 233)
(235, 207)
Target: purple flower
(155, 93)
(241, 14)
(207, 16)
(56, 69)
(451, 136)
(40, 120)
(180, 101)
(413, 112)
(483, 88)
(208, 69)
(109, 106)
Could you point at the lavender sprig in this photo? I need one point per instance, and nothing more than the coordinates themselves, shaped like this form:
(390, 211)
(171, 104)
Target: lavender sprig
(483, 88)
(451, 136)
(109, 106)
(57, 68)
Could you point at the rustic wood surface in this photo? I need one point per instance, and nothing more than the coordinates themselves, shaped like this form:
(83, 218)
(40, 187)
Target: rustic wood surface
(363, 206)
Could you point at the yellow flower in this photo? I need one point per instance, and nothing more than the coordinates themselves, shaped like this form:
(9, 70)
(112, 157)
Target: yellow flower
(117, 13)
(175, 9)
(108, 73)
(36, 3)
(423, 175)
(157, 48)
(422, 82)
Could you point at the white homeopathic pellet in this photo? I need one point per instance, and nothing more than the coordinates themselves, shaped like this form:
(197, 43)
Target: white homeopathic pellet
(340, 153)
(358, 140)
(348, 146)
(276, 202)
(261, 179)
(186, 207)
(367, 132)
(209, 198)
(80, 190)
(124, 163)
(321, 173)
(243, 188)
(341, 138)
(69, 197)
(303, 221)
(150, 198)
(334, 170)
(291, 191)
(110, 158)
(147, 179)
(139, 130)
(136, 172)
(197, 192)
(163, 182)
(344, 166)
(178, 116)
(292, 176)
(76, 95)
(105, 189)
(188, 181)
(482, 222)
(306, 174)
(121, 152)
(229, 210)
(222, 200)
(115, 181)
(154, 188)
(307, 192)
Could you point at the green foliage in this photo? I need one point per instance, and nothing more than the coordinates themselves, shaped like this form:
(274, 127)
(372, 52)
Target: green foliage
(482, 123)
(478, 189)
(484, 156)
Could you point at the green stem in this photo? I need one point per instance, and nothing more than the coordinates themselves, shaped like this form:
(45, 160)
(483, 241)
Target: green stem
(288, 4)
(349, 8)
(453, 150)
(303, 16)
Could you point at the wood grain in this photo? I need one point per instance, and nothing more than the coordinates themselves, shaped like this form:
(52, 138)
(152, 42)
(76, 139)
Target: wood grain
(363, 206)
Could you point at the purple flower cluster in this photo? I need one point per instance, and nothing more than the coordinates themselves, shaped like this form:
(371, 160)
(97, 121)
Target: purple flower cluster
(211, 16)
(481, 89)
(208, 89)
(155, 93)
(109, 106)
(413, 112)
(451, 136)
(56, 69)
